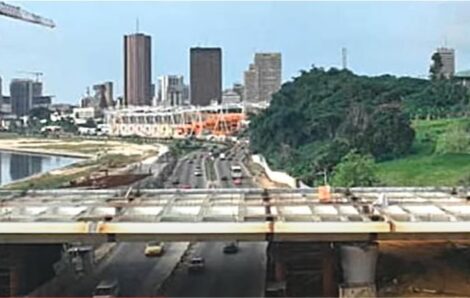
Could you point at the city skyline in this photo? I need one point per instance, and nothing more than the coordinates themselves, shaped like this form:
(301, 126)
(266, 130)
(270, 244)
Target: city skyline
(92, 52)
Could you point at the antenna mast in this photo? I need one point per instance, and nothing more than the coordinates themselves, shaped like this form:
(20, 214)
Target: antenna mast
(344, 53)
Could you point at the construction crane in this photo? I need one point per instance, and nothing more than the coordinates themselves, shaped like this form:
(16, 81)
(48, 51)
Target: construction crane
(20, 14)
(37, 74)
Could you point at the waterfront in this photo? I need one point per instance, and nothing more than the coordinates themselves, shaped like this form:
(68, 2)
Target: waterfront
(14, 166)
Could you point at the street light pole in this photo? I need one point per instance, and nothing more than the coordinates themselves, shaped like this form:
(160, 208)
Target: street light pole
(323, 173)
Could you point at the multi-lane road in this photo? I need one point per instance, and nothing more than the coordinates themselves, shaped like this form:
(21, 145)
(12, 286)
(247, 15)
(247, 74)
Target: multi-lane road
(225, 275)
(241, 274)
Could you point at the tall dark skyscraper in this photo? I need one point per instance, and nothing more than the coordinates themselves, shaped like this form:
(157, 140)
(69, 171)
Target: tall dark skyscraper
(21, 94)
(137, 70)
(206, 75)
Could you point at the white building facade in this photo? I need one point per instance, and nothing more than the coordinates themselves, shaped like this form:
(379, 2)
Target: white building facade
(171, 91)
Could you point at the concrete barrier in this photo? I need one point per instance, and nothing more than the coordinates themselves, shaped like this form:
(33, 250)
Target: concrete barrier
(275, 176)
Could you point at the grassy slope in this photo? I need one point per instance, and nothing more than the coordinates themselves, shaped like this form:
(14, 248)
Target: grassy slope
(423, 168)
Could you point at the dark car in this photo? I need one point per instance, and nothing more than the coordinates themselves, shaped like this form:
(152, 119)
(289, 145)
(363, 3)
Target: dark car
(196, 264)
(231, 248)
(175, 182)
(224, 178)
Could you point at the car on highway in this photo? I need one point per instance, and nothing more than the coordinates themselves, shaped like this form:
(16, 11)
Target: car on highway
(222, 156)
(154, 249)
(231, 248)
(185, 186)
(175, 182)
(237, 181)
(106, 288)
(224, 178)
(197, 173)
(236, 172)
(196, 264)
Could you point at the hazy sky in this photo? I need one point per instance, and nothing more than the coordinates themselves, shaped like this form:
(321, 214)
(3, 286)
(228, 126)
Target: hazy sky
(86, 47)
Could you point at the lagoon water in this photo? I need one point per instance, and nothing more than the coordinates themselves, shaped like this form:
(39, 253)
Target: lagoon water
(16, 166)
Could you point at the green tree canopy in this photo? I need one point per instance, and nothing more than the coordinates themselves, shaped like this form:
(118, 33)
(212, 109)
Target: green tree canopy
(355, 170)
(321, 115)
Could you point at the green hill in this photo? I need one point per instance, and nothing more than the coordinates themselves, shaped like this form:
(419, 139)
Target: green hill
(424, 167)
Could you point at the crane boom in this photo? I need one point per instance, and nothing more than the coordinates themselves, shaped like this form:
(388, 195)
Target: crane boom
(20, 14)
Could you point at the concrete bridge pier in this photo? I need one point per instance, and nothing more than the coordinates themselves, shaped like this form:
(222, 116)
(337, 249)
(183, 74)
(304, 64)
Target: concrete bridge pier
(301, 269)
(358, 264)
(24, 267)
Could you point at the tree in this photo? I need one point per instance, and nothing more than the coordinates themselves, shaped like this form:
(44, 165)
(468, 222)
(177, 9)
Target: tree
(388, 134)
(355, 170)
(435, 71)
(456, 139)
(40, 113)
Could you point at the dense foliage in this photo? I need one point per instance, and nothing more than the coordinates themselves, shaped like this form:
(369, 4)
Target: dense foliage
(456, 139)
(355, 170)
(321, 115)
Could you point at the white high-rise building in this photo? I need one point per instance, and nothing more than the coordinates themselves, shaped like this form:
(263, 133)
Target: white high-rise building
(171, 91)
(448, 62)
(263, 78)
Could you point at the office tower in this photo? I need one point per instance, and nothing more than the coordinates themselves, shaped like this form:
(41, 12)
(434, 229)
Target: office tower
(448, 62)
(37, 89)
(104, 94)
(137, 70)
(21, 94)
(205, 75)
(250, 93)
(263, 78)
(186, 98)
(171, 90)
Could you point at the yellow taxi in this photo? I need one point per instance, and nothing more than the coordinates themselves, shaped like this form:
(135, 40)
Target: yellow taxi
(154, 248)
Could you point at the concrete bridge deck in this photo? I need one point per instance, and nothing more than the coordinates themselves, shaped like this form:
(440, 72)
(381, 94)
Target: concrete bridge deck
(253, 214)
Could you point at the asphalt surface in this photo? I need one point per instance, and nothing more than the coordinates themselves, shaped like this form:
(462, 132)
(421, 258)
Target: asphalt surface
(137, 274)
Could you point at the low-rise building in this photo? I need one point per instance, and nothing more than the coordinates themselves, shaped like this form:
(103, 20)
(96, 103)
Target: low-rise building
(230, 96)
(463, 77)
(86, 113)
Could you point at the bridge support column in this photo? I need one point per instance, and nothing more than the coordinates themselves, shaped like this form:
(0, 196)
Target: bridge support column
(24, 267)
(358, 262)
(329, 280)
(279, 271)
(302, 269)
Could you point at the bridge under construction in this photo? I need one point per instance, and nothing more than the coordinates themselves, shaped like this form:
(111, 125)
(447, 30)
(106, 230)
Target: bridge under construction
(363, 214)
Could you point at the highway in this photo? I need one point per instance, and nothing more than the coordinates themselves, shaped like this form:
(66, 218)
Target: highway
(241, 274)
(137, 274)
(226, 275)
